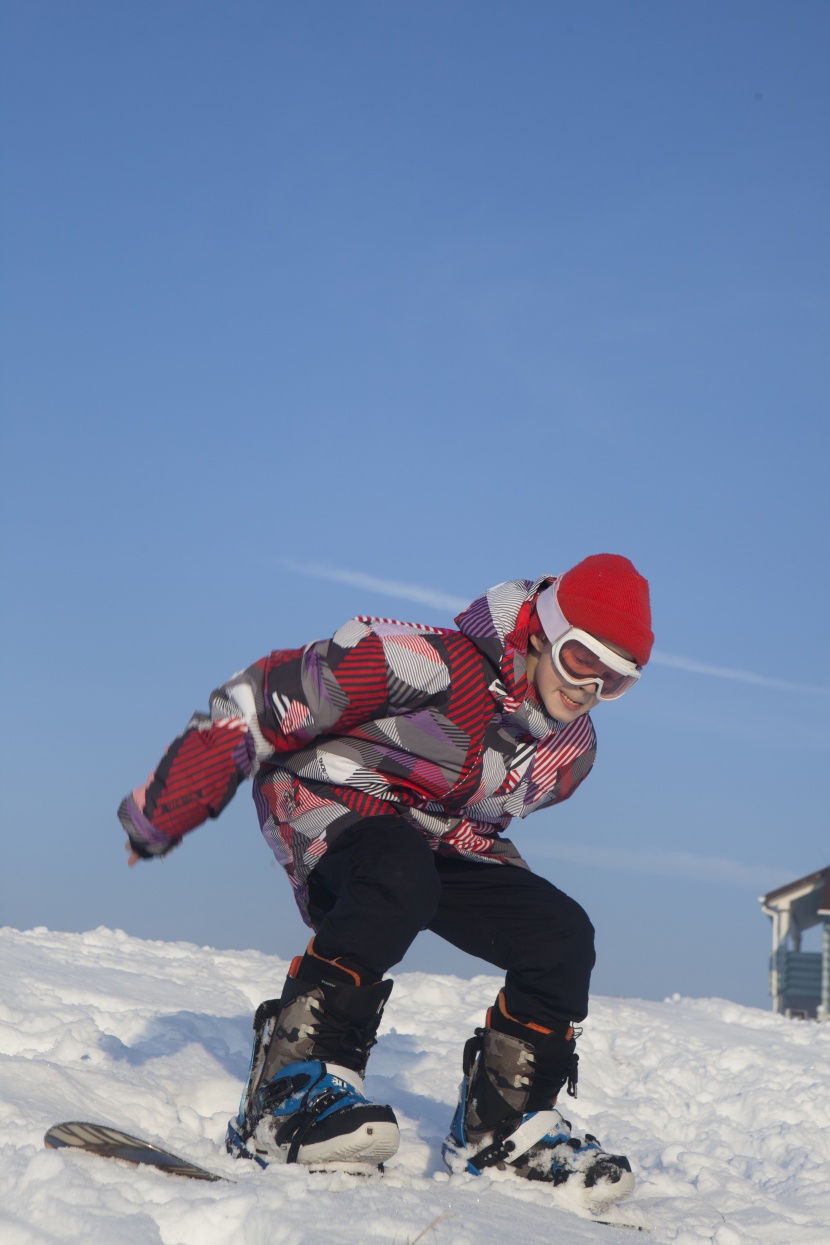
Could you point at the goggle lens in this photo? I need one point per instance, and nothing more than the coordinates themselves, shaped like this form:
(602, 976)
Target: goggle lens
(577, 661)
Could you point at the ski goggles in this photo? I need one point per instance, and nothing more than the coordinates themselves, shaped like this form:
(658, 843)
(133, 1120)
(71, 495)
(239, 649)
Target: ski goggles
(582, 659)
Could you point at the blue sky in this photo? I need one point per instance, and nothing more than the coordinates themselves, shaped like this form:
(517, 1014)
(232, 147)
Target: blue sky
(308, 308)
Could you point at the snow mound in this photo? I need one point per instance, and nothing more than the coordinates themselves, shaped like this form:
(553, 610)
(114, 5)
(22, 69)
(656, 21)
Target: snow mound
(722, 1109)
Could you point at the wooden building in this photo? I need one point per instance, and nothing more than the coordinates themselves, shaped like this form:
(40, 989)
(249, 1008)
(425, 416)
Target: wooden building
(800, 980)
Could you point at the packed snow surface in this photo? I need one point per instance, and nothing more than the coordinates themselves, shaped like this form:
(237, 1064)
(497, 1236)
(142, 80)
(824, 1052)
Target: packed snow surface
(723, 1110)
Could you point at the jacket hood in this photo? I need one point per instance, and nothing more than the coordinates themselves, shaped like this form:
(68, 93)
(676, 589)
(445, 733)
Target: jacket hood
(498, 623)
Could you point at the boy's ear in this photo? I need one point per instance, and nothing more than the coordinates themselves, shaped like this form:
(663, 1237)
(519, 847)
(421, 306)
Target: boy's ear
(538, 641)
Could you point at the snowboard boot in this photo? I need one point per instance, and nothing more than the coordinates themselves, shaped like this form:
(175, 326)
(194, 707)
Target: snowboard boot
(303, 1101)
(506, 1117)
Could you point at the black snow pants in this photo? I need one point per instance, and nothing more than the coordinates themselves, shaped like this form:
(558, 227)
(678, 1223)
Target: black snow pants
(380, 883)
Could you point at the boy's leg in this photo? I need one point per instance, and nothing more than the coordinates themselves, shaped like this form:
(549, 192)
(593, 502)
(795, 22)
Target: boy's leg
(521, 923)
(542, 938)
(515, 1066)
(303, 1102)
(373, 891)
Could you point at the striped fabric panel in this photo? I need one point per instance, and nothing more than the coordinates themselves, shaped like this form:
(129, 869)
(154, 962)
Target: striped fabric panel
(364, 804)
(468, 842)
(469, 699)
(370, 621)
(362, 675)
(195, 779)
(560, 750)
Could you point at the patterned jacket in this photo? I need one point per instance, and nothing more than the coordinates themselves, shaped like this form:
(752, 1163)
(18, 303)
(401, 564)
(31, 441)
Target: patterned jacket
(439, 726)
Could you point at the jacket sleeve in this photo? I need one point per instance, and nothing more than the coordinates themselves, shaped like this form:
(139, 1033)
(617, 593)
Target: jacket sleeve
(199, 773)
(279, 705)
(333, 686)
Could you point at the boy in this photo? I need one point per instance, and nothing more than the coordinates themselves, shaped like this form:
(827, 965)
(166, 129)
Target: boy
(387, 762)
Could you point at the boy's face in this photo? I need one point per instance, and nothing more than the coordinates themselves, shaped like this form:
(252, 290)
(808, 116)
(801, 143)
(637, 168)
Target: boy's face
(564, 701)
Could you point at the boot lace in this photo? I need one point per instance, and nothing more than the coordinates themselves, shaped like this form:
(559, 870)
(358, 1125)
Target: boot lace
(337, 1039)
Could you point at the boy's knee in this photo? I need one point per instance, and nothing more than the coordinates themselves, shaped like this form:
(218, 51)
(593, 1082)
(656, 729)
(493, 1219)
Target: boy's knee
(583, 930)
(578, 933)
(570, 922)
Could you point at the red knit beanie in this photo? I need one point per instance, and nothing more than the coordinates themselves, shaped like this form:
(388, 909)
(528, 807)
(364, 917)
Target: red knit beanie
(604, 594)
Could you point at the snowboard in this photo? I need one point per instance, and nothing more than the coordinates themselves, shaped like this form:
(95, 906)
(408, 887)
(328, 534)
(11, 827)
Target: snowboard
(111, 1143)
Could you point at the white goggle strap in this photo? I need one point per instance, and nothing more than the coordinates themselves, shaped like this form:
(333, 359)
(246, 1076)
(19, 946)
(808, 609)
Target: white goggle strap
(554, 623)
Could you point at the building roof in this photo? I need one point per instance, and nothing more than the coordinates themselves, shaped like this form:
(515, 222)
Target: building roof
(816, 885)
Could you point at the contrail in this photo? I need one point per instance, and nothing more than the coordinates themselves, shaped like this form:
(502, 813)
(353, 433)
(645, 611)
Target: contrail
(387, 587)
(739, 676)
(433, 598)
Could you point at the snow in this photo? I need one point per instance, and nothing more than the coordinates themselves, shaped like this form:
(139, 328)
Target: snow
(723, 1110)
